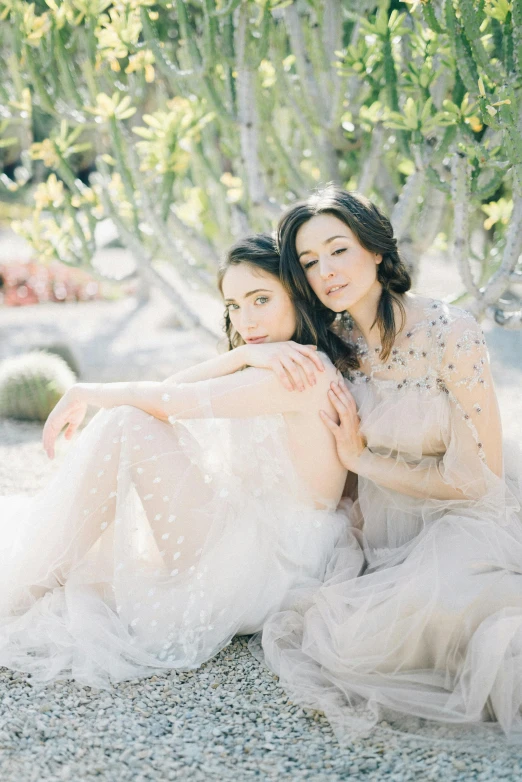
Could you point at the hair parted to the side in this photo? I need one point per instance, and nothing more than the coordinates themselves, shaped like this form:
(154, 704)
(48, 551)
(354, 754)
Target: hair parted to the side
(373, 231)
(312, 322)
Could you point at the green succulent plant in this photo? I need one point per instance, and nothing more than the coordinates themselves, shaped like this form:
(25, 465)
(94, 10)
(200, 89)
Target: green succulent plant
(32, 384)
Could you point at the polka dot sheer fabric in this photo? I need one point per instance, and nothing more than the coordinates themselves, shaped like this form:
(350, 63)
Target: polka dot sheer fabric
(157, 542)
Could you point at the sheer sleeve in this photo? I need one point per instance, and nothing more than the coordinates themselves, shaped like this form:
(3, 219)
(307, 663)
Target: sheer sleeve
(244, 394)
(472, 462)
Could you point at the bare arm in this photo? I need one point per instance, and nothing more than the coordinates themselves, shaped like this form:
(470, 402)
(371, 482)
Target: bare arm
(288, 360)
(245, 394)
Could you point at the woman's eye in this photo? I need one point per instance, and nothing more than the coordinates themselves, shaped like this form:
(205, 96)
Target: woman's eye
(232, 307)
(339, 251)
(309, 264)
(261, 300)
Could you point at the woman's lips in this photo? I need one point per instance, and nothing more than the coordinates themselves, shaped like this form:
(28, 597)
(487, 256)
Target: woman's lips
(255, 340)
(337, 289)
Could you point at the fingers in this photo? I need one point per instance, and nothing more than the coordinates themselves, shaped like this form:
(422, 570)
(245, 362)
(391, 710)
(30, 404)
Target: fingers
(292, 368)
(282, 376)
(343, 395)
(330, 423)
(307, 367)
(310, 351)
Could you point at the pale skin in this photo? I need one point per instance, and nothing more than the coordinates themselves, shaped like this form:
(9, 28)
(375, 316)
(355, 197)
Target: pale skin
(343, 276)
(261, 312)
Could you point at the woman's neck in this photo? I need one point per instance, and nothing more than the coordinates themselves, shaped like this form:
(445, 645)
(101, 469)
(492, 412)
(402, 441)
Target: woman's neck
(364, 313)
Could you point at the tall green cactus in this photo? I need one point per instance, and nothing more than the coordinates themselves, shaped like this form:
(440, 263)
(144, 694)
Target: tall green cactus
(245, 105)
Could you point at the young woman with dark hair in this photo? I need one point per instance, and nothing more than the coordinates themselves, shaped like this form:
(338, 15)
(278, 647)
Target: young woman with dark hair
(186, 512)
(432, 629)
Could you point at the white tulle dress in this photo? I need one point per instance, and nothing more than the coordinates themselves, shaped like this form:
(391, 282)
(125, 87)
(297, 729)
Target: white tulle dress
(156, 542)
(424, 633)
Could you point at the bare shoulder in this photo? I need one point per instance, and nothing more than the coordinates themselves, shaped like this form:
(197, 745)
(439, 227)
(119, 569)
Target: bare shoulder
(330, 373)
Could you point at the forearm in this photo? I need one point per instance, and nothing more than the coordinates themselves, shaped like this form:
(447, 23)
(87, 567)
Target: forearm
(149, 396)
(222, 365)
(416, 481)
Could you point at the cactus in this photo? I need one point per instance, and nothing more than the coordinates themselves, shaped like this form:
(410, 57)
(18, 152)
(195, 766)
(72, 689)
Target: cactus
(62, 350)
(276, 98)
(32, 384)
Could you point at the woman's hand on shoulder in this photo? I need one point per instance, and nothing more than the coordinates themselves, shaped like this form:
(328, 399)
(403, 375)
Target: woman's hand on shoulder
(69, 411)
(348, 438)
(291, 362)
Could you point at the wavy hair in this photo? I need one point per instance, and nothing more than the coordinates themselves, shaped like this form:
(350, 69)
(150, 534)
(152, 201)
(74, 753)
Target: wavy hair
(373, 231)
(312, 322)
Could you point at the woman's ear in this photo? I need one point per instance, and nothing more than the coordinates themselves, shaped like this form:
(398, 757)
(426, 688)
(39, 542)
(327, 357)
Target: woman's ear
(378, 258)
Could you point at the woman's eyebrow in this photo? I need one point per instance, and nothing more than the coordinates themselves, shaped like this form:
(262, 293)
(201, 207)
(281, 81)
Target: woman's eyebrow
(327, 241)
(251, 293)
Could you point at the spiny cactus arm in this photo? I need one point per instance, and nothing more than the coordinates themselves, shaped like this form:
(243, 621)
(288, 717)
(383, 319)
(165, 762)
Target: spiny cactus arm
(165, 65)
(461, 49)
(430, 218)
(228, 10)
(407, 203)
(204, 250)
(39, 87)
(188, 34)
(300, 109)
(210, 33)
(123, 168)
(248, 120)
(144, 262)
(68, 82)
(460, 193)
(302, 61)
(284, 160)
(512, 251)
(516, 21)
(430, 17)
(472, 17)
(372, 161)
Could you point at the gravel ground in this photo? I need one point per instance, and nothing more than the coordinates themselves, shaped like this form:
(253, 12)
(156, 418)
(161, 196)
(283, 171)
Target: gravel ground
(229, 719)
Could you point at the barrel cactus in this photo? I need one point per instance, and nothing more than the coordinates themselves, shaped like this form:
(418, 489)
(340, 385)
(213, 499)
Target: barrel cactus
(64, 351)
(32, 384)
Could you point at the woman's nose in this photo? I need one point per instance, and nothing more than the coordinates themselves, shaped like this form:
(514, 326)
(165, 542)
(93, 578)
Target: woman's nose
(325, 267)
(248, 320)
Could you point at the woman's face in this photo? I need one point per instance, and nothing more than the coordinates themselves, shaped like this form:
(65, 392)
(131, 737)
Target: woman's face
(259, 307)
(341, 272)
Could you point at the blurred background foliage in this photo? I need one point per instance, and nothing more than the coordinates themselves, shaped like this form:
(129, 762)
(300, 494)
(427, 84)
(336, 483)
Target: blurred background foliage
(191, 122)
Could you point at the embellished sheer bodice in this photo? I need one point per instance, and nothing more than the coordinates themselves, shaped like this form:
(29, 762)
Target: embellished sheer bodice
(428, 623)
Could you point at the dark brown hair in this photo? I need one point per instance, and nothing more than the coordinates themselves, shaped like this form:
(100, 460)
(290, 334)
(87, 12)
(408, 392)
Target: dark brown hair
(373, 231)
(313, 319)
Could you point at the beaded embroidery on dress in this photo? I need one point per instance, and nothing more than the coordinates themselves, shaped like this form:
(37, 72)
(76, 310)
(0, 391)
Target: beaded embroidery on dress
(429, 636)
(155, 544)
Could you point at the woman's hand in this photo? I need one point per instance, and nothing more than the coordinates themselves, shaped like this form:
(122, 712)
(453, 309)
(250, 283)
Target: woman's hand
(70, 411)
(350, 443)
(289, 360)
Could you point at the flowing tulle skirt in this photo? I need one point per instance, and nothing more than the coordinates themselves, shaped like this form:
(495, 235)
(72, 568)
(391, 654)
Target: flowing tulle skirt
(425, 642)
(153, 546)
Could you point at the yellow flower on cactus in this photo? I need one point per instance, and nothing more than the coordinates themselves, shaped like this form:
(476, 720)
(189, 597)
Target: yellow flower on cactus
(7, 7)
(24, 105)
(107, 107)
(46, 151)
(63, 13)
(142, 61)
(90, 8)
(34, 27)
(118, 32)
(167, 144)
(498, 212)
(49, 194)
